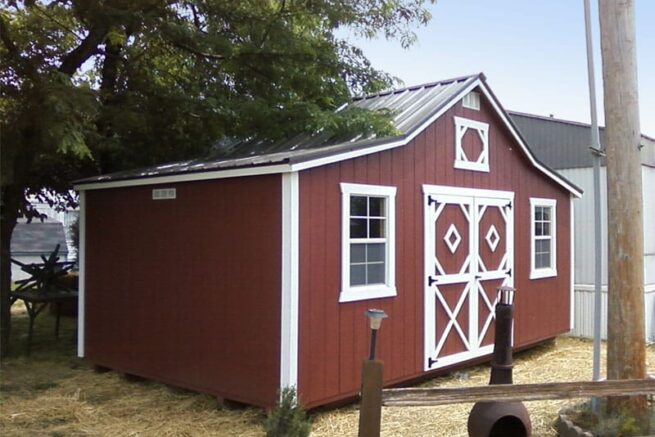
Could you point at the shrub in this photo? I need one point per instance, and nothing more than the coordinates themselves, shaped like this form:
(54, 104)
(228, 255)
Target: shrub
(287, 419)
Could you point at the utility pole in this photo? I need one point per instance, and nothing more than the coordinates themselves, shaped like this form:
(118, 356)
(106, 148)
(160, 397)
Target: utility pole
(626, 350)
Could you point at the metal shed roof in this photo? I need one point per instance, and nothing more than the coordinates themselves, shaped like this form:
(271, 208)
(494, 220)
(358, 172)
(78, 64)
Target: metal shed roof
(37, 238)
(564, 144)
(413, 109)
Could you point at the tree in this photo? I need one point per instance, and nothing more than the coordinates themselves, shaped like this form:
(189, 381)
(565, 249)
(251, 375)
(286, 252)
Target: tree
(95, 86)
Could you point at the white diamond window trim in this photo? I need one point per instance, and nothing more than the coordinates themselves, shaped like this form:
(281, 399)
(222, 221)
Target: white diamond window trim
(452, 238)
(492, 238)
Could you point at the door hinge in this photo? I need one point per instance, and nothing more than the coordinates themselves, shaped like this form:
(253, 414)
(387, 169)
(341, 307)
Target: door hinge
(509, 272)
(431, 362)
(432, 280)
(509, 205)
(432, 200)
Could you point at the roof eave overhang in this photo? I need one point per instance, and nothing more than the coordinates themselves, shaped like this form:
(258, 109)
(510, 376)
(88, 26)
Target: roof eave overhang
(184, 177)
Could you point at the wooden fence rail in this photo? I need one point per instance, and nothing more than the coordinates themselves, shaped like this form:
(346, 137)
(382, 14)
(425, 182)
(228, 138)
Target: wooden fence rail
(416, 397)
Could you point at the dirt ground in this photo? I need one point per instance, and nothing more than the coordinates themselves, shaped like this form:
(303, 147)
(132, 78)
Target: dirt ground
(53, 393)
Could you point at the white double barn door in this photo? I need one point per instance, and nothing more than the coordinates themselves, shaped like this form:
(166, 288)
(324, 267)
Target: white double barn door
(469, 242)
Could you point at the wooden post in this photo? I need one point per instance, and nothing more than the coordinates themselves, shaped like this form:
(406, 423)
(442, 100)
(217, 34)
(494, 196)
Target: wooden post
(370, 409)
(625, 324)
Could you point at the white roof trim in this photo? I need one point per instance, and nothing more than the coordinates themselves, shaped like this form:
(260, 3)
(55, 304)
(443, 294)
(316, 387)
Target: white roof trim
(252, 171)
(379, 148)
(185, 177)
(503, 115)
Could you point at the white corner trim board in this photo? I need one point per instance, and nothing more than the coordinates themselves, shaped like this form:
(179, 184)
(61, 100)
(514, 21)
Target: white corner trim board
(572, 260)
(290, 286)
(81, 255)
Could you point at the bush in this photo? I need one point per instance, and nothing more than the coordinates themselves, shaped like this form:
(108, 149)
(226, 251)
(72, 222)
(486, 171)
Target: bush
(287, 419)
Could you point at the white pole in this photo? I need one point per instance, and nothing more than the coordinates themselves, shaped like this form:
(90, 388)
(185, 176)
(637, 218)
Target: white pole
(596, 151)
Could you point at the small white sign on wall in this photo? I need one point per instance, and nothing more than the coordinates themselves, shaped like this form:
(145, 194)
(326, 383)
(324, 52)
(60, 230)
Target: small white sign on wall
(163, 193)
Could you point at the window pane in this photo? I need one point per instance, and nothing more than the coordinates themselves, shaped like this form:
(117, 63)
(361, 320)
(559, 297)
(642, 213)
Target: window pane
(546, 213)
(375, 252)
(357, 228)
(357, 253)
(546, 227)
(538, 228)
(375, 273)
(539, 213)
(542, 260)
(358, 274)
(376, 207)
(542, 246)
(358, 206)
(376, 228)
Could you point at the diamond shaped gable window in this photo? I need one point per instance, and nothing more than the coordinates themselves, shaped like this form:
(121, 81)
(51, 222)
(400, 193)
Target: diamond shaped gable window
(479, 162)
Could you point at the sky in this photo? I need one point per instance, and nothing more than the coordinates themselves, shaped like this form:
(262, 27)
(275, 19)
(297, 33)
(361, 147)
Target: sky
(533, 54)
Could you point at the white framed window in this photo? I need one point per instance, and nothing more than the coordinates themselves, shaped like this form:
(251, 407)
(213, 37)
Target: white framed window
(472, 101)
(479, 162)
(368, 246)
(543, 238)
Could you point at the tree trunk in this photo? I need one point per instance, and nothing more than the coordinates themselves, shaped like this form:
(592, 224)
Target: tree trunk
(11, 198)
(625, 336)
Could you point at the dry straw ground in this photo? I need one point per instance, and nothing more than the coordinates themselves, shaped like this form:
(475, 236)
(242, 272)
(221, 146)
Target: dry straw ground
(53, 393)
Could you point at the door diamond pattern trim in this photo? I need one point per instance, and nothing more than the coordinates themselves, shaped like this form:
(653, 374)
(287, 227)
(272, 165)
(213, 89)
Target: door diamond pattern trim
(492, 238)
(464, 336)
(452, 238)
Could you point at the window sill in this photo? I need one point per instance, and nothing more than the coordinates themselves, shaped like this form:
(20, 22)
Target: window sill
(543, 273)
(366, 292)
(474, 166)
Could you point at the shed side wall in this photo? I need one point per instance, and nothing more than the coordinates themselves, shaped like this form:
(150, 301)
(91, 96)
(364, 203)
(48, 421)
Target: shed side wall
(186, 291)
(333, 336)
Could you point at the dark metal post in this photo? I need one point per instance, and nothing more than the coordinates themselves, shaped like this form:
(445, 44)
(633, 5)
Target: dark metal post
(501, 363)
(374, 340)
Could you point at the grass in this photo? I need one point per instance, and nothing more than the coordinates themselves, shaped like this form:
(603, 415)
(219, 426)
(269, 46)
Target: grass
(53, 393)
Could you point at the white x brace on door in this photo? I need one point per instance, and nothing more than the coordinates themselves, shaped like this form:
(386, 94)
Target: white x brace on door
(469, 252)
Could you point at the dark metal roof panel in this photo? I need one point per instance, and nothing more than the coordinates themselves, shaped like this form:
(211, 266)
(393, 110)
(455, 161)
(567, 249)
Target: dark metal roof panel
(565, 144)
(410, 107)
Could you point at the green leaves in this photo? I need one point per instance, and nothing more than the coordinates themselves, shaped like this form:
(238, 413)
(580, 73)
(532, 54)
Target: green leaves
(123, 84)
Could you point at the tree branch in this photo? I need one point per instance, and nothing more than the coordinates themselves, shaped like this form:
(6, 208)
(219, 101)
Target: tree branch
(74, 59)
(196, 52)
(6, 39)
(56, 21)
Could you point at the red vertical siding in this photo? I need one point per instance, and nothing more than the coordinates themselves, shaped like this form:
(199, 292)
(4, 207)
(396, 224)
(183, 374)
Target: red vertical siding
(187, 291)
(333, 336)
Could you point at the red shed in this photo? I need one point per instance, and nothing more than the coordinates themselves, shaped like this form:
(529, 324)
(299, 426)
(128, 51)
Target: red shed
(251, 271)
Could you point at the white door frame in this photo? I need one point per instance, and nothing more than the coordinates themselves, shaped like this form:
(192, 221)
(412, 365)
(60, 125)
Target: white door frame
(474, 203)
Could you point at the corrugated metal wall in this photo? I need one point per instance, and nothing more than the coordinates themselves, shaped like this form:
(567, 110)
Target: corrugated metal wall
(648, 183)
(584, 313)
(584, 250)
(584, 224)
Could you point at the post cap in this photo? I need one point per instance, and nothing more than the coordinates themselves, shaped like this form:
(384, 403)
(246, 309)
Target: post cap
(375, 317)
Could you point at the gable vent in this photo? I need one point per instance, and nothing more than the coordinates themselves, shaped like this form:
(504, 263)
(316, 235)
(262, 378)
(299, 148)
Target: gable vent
(163, 193)
(472, 101)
